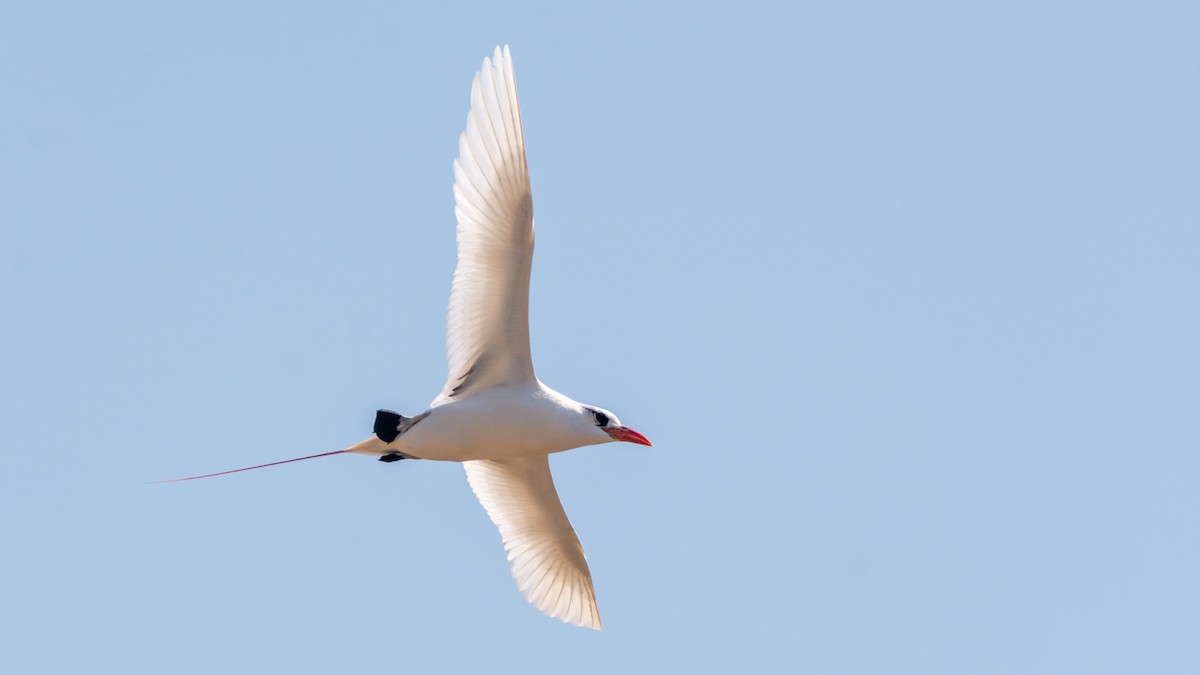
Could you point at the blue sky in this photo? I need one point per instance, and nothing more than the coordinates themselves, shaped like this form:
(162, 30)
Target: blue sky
(904, 294)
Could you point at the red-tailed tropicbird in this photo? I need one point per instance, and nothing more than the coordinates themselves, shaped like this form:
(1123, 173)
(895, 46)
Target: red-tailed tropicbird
(493, 414)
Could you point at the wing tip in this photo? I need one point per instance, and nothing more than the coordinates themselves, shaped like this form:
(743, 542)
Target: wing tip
(500, 59)
(500, 54)
(592, 620)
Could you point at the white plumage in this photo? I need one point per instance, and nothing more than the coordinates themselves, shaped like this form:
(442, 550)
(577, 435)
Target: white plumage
(545, 554)
(493, 414)
(487, 330)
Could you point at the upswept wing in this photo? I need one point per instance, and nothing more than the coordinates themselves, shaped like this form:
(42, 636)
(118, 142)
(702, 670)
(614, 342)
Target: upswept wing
(487, 328)
(547, 559)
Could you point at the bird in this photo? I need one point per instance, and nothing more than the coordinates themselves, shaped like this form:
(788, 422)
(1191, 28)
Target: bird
(493, 414)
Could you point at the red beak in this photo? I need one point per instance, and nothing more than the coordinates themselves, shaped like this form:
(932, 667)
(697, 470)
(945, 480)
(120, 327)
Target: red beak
(628, 435)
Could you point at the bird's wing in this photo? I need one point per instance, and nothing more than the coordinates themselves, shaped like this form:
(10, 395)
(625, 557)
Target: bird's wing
(487, 328)
(546, 557)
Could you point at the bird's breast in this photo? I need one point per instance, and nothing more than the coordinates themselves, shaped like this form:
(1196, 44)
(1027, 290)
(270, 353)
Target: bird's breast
(495, 427)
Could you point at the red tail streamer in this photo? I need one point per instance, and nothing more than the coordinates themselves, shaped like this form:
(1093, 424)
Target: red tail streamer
(260, 466)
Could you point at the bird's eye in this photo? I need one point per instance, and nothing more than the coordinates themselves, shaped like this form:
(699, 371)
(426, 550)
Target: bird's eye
(601, 418)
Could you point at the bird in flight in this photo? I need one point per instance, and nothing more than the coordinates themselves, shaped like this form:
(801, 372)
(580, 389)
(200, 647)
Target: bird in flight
(493, 414)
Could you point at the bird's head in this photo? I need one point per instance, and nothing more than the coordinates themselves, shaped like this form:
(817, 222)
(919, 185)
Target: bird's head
(608, 423)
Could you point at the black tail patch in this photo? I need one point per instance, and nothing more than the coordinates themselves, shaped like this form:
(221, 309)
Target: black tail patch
(387, 425)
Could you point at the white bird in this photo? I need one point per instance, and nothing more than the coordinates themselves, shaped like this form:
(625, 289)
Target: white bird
(493, 414)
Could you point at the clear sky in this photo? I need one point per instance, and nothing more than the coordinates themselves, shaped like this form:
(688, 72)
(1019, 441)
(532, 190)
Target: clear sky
(905, 294)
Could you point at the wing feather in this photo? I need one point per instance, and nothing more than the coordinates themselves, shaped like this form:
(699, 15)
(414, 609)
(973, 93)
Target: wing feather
(547, 559)
(487, 326)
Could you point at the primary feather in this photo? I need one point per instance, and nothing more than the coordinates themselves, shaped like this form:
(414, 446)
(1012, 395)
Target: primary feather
(487, 327)
(547, 559)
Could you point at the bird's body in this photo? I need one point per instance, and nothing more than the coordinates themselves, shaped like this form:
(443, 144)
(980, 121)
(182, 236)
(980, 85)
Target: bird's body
(493, 414)
(525, 419)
